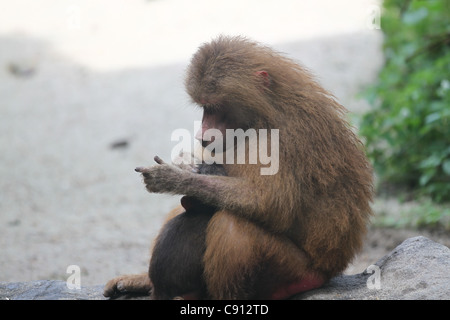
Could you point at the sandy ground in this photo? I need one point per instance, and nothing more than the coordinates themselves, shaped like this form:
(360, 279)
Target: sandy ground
(91, 89)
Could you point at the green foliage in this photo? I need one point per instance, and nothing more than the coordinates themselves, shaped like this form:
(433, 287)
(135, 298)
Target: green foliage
(408, 129)
(424, 213)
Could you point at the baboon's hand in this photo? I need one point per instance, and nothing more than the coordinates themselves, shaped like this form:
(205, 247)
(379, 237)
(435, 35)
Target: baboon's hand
(186, 161)
(162, 177)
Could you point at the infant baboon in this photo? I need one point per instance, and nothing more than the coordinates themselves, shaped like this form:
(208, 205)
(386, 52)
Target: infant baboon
(176, 265)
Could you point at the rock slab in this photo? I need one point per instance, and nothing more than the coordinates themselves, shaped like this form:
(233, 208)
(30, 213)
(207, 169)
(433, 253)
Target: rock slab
(416, 269)
(48, 290)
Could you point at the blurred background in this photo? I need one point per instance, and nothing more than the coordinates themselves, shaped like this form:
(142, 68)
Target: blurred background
(91, 89)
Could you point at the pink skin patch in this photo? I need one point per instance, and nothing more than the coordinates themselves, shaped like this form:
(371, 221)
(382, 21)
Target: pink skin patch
(210, 121)
(194, 295)
(309, 282)
(265, 77)
(288, 290)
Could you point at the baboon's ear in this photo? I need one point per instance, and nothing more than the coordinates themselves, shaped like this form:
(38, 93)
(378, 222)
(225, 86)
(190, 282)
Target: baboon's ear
(264, 76)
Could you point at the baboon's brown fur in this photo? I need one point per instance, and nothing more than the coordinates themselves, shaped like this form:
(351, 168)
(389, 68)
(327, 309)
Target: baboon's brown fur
(273, 234)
